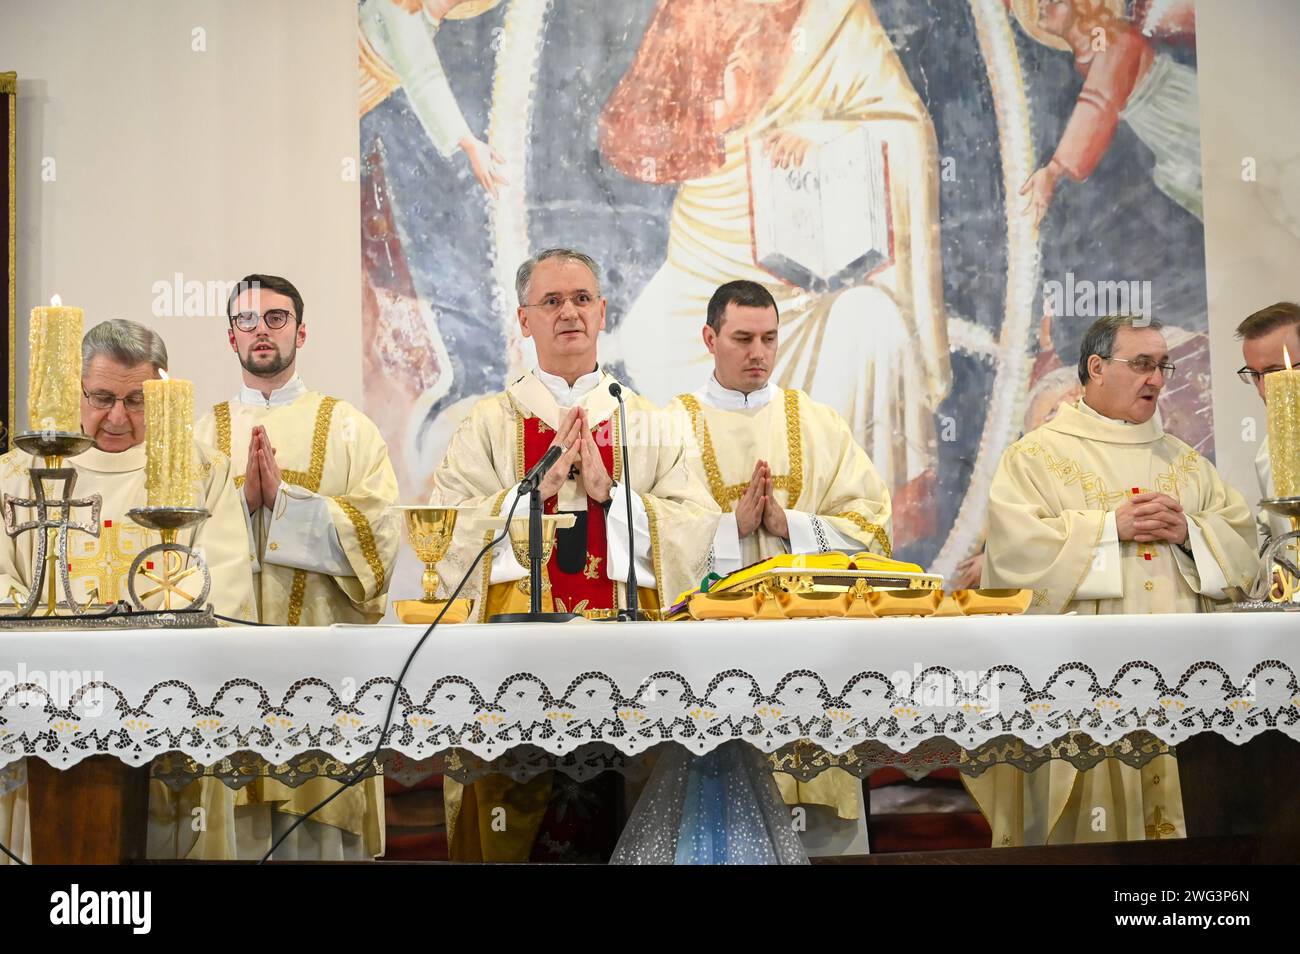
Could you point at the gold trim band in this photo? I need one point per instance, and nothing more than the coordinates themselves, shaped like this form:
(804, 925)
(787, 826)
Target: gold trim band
(726, 495)
(221, 414)
(296, 594)
(866, 526)
(366, 538)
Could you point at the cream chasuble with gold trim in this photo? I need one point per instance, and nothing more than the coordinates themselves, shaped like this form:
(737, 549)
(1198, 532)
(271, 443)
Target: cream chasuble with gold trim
(674, 519)
(825, 481)
(335, 466)
(1052, 530)
(322, 554)
(832, 495)
(674, 516)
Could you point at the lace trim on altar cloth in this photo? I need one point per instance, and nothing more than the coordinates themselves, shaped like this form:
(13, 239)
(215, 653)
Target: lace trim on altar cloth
(803, 760)
(177, 770)
(1000, 708)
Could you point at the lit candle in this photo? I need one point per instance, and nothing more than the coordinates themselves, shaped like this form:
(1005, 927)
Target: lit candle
(1283, 392)
(169, 442)
(54, 372)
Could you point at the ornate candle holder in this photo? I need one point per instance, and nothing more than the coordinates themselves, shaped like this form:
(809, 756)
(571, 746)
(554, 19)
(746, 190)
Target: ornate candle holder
(53, 518)
(1278, 581)
(178, 561)
(54, 445)
(1281, 552)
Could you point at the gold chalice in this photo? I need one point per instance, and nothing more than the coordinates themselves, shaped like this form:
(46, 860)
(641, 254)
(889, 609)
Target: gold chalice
(429, 531)
(519, 542)
(518, 533)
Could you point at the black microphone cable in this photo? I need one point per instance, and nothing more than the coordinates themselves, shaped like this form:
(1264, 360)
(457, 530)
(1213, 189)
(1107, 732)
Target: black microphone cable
(361, 774)
(365, 770)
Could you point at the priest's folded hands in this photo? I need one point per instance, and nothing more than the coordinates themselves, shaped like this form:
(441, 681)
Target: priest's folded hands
(1151, 518)
(757, 506)
(581, 456)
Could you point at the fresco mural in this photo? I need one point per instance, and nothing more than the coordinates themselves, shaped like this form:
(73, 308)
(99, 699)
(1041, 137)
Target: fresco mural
(941, 195)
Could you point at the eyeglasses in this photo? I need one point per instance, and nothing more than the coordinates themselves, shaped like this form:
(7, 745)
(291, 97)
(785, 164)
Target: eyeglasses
(1144, 365)
(552, 304)
(1252, 377)
(275, 319)
(104, 401)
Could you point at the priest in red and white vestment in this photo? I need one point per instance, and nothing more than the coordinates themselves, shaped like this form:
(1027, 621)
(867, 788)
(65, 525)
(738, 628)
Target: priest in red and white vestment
(566, 401)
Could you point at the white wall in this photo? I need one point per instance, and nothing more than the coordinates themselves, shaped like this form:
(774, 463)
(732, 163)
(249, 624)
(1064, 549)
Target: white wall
(211, 163)
(1249, 109)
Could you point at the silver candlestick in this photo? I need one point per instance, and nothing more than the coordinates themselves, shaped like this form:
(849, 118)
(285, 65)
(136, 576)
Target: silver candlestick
(178, 561)
(53, 517)
(1278, 581)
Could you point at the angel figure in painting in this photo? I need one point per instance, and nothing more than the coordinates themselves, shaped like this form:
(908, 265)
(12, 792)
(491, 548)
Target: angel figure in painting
(396, 49)
(1125, 79)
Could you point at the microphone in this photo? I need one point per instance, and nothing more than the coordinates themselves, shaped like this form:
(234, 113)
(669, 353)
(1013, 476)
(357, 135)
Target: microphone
(533, 479)
(616, 391)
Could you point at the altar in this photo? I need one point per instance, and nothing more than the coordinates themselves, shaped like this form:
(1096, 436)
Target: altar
(587, 697)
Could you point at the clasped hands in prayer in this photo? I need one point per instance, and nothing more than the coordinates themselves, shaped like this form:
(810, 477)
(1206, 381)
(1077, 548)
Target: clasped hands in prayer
(262, 473)
(1152, 518)
(757, 507)
(582, 453)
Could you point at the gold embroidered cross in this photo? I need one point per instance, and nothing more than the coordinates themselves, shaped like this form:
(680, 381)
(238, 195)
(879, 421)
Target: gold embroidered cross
(1159, 828)
(106, 564)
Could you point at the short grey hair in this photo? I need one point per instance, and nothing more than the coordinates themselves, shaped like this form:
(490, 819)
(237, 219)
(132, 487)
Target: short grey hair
(126, 342)
(524, 277)
(1099, 339)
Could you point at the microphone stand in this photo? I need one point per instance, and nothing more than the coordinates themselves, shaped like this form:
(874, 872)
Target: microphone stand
(534, 551)
(632, 613)
(534, 614)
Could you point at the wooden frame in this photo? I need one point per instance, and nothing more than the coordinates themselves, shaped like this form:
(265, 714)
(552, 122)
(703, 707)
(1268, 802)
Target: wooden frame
(8, 263)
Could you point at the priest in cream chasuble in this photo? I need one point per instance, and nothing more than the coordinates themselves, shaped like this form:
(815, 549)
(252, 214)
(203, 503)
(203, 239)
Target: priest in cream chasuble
(117, 358)
(316, 483)
(786, 471)
(1101, 511)
(566, 401)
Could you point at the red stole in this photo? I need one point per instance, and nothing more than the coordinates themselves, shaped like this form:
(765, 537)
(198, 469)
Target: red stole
(590, 587)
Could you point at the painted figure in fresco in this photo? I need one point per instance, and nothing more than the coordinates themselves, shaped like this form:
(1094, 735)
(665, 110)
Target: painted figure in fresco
(397, 50)
(406, 360)
(1125, 79)
(712, 79)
